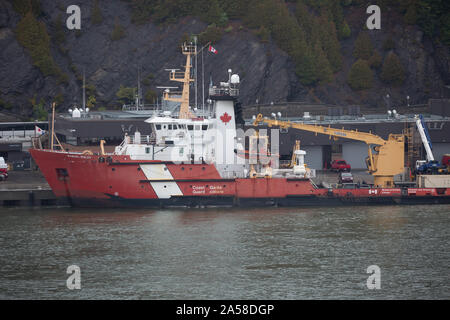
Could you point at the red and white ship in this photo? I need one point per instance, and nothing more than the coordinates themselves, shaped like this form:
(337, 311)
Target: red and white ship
(195, 158)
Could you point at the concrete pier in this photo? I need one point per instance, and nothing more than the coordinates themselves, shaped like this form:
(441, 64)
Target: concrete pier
(26, 189)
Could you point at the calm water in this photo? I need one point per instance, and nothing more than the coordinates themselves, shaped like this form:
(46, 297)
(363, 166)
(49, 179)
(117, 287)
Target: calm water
(318, 253)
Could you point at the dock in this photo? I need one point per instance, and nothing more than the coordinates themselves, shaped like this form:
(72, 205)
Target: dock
(26, 189)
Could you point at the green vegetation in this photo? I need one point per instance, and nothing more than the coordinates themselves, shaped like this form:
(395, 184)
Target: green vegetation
(96, 14)
(39, 112)
(24, 6)
(118, 32)
(375, 60)
(363, 46)
(32, 35)
(91, 102)
(5, 105)
(59, 36)
(212, 33)
(393, 72)
(150, 96)
(360, 76)
(125, 95)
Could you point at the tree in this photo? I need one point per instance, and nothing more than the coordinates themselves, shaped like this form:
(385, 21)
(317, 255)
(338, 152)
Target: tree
(322, 65)
(150, 96)
(393, 72)
(360, 76)
(345, 31)
(91, 102)
(96, 14)
(125, 95)
(363, 46)
(375, 60)
(32, 35)
(118, 32)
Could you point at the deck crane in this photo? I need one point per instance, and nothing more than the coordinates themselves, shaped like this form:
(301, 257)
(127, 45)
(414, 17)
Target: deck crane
(424, 135)
(385, 157)
(430, 165)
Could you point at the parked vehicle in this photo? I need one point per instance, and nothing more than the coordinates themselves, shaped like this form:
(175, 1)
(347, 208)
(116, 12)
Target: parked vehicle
(345, 177)
(3, 169)
(430, 167)
(446, 160)
(340, 165)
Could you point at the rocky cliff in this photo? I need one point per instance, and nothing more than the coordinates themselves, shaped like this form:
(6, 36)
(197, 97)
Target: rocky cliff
(267, 73)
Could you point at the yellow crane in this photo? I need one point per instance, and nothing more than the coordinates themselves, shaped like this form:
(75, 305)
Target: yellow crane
(385, 157)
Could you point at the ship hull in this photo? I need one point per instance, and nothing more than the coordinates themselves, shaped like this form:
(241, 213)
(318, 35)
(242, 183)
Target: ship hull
(119, 181)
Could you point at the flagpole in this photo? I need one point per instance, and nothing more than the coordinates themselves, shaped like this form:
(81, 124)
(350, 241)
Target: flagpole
(203, 85)
(196, 67)
(53, 124)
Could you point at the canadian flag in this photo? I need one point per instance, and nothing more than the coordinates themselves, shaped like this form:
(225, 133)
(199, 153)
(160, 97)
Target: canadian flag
(211, 49)
(38, 131)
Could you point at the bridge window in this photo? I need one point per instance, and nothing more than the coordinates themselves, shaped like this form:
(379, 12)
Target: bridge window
(204, 127)
(190, 127)
(158, 127)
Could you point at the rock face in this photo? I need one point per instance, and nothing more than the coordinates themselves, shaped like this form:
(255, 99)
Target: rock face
(267, 73)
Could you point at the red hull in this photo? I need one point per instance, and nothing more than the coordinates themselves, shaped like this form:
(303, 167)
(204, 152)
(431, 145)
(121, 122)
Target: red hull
(118, 180)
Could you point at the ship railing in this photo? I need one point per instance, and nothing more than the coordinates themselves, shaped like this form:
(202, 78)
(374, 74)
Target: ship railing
(223, 91)
(147, 139)
(142, 107)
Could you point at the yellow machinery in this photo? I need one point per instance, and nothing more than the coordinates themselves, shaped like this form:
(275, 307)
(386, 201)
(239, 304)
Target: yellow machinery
(386, 157)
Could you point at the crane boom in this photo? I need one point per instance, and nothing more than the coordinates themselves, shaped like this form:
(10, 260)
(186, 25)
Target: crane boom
(385, 157)
(423, 131)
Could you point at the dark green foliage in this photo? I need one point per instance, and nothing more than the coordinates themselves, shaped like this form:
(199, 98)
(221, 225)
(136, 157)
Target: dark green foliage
(118, 32)
(322, 65)
(125, 95)
(433, 18)
(39, 111)
(59, 35)
(150, 96)
(33, 36)
(360, 76)
(96, 14)
(345, 31)
(59, 99)
(24, 6)
(363, 46)
(393, 72)
(263, 34)
(375, 60)
(212, 33)
(330, 44)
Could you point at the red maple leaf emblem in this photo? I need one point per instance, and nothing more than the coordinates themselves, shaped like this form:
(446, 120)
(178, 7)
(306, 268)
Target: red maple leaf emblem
(225, 118)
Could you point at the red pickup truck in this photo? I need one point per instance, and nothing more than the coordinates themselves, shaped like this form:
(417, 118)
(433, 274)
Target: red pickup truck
(340, 165)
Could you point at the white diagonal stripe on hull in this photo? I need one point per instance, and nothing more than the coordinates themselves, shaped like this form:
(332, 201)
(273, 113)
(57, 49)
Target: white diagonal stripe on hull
(165, 190)
(156, 172)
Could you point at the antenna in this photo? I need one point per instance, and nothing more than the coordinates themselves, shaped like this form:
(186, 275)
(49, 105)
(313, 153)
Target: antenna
(84, 91)
(195, 42)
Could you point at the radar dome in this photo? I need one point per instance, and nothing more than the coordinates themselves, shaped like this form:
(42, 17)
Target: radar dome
(235, 79)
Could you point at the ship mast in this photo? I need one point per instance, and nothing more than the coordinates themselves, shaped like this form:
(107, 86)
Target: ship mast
(185, 78)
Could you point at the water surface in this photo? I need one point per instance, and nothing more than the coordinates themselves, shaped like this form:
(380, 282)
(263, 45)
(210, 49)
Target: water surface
(273, 253)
